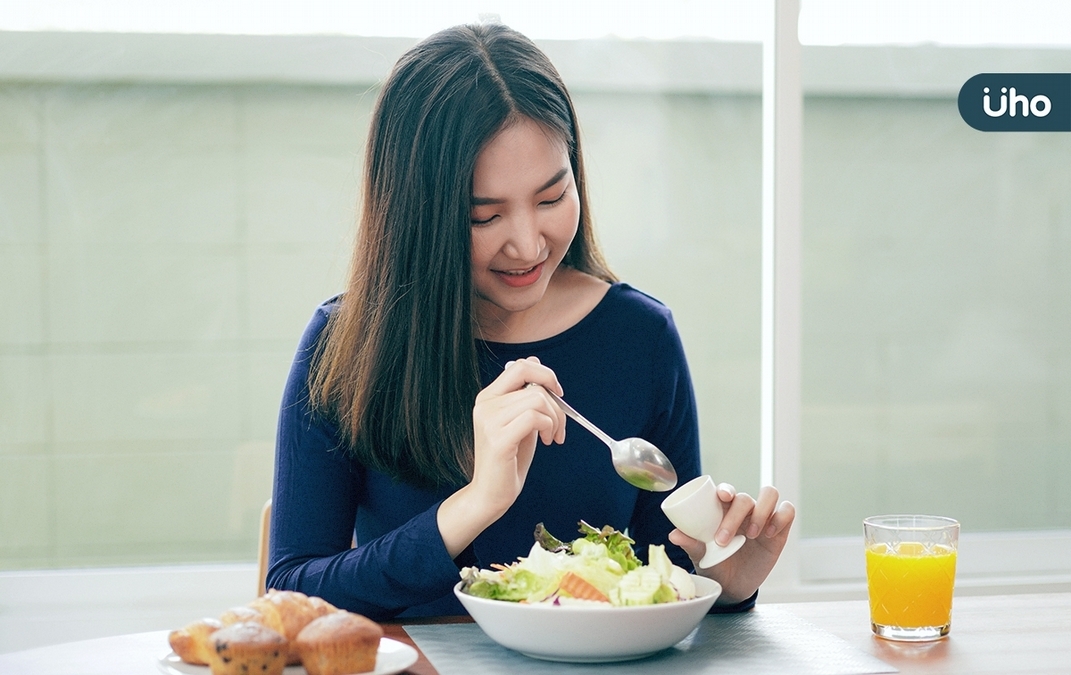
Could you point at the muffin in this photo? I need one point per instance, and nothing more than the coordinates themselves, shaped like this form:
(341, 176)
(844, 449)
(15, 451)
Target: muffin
(287, 612)
(247, 649)
(339, 643)
(191, 643)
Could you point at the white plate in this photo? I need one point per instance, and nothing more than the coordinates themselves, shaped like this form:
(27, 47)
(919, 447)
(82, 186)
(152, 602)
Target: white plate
(392, 657)
(590, 632)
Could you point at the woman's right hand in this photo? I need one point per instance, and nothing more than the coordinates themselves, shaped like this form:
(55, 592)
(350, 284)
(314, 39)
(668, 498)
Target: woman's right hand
(507, 418)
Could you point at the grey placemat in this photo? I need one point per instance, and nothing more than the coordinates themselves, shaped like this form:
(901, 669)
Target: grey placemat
(764, 641)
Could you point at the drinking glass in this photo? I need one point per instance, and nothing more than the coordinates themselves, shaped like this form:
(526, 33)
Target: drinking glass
(910, 572)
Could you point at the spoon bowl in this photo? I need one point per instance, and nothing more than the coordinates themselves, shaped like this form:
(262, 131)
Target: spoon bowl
(643, 465)
(639, 462)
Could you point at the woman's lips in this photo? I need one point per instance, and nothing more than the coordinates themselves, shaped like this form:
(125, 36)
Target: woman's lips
(522, 277)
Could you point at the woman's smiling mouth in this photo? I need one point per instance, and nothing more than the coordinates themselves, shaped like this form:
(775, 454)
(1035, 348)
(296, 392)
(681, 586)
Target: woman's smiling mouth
(518, 278)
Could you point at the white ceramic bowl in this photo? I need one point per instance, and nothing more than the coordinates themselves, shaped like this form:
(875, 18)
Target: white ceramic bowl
(590, 633)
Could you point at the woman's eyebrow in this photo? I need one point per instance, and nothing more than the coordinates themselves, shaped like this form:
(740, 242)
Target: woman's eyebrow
(480, 201)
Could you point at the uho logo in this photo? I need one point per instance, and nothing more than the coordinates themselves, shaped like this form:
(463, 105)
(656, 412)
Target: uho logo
(1017, 102)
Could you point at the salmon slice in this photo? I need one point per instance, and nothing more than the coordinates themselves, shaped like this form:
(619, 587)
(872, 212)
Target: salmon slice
(577, 587)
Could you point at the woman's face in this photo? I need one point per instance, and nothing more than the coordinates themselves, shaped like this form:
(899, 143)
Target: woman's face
(525, 213)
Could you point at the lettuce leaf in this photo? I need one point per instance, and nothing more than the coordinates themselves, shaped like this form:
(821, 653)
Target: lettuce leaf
(515, 586)
(617, 544)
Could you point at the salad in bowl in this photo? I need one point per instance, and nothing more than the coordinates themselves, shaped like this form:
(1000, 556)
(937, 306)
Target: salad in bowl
(590, 599)
(600, 567)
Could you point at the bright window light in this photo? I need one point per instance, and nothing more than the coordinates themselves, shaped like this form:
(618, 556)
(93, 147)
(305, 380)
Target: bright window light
(822, 22)
(730, 20)
(946, 22)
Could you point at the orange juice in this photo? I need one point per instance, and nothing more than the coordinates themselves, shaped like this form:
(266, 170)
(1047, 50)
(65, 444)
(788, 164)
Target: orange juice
(910, 587)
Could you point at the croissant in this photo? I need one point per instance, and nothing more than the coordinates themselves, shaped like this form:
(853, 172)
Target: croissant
(243, 614)
(192, 642)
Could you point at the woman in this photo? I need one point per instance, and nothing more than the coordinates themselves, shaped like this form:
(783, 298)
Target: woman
(408, 424)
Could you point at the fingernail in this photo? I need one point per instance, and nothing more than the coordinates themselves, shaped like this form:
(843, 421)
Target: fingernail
(723, 537)
(508, 364)
(771, 531)
(753, 531)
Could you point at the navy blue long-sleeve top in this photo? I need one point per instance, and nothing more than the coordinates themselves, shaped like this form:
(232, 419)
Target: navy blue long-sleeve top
(622, 366)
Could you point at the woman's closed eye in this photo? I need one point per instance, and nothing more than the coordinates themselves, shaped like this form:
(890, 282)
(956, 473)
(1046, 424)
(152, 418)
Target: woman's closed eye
(557, 199)
(476, 221)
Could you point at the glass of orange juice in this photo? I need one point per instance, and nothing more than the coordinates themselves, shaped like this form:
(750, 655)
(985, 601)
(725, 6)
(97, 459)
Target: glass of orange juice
(910, 574)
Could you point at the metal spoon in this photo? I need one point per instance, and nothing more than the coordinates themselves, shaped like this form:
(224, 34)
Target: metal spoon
(637, 461)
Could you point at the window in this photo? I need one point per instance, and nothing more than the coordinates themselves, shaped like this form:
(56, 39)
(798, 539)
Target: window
(173, 206)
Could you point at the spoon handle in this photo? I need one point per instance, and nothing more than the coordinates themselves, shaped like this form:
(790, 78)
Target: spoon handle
(568, 409)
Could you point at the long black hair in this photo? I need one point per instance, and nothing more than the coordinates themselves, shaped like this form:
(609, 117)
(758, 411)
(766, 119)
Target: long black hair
(398, 366)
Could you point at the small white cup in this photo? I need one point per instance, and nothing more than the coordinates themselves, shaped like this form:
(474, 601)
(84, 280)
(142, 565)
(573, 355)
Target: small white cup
(694, 508)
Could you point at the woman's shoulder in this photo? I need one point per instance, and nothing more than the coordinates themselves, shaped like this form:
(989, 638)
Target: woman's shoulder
(329, 306)
(585, 294)
(627, 302)
(321, 316)
(625, 319)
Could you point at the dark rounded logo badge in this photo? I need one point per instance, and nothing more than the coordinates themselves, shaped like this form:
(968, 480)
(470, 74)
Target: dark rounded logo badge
(1017, 102)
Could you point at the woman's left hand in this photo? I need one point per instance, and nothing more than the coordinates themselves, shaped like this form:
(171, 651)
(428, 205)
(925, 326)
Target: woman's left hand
(764, 522)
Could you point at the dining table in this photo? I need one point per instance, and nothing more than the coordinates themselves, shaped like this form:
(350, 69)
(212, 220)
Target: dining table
(1027, 633)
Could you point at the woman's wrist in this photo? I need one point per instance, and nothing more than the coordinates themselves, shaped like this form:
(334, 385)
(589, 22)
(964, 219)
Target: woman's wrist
(462, 517)
(730, 598)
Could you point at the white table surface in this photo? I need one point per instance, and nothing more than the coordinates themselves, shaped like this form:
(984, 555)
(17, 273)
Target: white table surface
(131, 654)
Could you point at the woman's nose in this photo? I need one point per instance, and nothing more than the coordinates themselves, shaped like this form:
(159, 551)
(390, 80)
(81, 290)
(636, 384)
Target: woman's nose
(525, 242)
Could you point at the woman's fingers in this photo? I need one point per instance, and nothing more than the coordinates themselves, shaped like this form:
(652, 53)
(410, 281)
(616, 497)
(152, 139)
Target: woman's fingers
(726, 492)
(551, 406)
(754, 517)
(739, 510)
(525, 423)
(512, 392)
(521, 372)
(782, 519)
(763, 511)
(511, 406)
(693, 547)
(508, 431)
